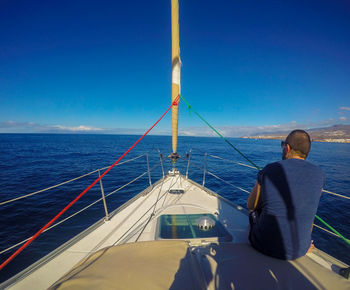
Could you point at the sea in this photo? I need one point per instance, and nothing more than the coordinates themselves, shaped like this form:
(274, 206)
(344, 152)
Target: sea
(31, 162)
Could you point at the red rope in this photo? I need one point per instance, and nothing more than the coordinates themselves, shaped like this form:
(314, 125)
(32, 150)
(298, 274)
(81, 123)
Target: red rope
(85, 191)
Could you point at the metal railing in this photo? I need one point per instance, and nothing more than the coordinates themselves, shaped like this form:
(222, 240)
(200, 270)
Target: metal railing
(68, 181)
(103, 195)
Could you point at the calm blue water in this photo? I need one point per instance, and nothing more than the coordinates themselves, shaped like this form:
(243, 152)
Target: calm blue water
(29, 162)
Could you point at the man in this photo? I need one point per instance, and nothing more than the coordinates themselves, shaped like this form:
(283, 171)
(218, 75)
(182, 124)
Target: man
(284, 201)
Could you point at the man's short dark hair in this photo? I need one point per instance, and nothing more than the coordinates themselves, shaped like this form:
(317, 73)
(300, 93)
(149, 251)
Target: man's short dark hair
(300, 142)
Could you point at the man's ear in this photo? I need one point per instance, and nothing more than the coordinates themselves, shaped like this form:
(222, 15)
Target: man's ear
(288, 148)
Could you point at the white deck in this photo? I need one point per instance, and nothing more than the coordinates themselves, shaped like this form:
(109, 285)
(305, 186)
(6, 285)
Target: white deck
(135, 222)
(126, 225)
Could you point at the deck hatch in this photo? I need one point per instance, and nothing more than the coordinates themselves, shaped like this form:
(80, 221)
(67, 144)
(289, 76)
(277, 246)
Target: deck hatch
(185, 226)
(176, 191)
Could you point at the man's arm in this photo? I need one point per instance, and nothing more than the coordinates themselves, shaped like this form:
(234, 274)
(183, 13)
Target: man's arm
(254, 197)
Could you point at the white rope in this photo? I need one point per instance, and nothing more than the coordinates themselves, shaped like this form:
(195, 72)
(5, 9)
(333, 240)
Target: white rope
(132, 181)
(45, 189)
(323, 229)
(230, 161)
(195, 165)
(336, 194)
(133, 233)
(240, 188)
(246, 165)
(65, 182)
(219, 178)
(83, 209)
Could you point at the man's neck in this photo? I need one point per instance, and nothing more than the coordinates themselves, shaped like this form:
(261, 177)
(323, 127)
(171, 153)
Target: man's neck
(295, 157)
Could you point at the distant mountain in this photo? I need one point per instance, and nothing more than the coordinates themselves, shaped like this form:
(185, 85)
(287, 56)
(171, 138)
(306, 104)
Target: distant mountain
(336, 133)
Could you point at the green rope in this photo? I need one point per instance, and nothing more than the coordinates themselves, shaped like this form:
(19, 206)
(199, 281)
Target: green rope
(333, 229)
(216, 131)
(257, 167)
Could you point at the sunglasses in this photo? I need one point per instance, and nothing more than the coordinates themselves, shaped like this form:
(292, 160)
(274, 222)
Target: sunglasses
(283, 143)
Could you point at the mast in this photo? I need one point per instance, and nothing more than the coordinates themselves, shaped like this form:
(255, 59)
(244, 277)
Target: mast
(176, 63)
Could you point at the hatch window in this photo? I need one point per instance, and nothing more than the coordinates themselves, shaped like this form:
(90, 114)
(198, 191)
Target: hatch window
(190, 226)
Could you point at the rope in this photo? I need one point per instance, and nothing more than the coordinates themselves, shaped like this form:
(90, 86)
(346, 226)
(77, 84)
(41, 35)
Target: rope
(196, 165)
(219, 178)
(65, 182)
(239, 163)
(83, 209)
(333, 230)
(85, 191)
(327, 231)
(128, 230)
(336, 194)
(48, 188)
(152, 214)
(217, 132)
(246, 165)
(223, 180)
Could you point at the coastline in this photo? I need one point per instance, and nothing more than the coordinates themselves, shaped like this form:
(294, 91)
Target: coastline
(325, 140)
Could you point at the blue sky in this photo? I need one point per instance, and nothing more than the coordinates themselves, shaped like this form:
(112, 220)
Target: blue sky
(105, 66)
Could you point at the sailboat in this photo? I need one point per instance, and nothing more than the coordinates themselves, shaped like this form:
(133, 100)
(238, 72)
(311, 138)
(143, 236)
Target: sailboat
(175, 234)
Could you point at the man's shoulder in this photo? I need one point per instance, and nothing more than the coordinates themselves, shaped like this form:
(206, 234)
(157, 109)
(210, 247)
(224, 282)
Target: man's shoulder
(302, 164)
(273, 165)
(270, 169)
(292, 165)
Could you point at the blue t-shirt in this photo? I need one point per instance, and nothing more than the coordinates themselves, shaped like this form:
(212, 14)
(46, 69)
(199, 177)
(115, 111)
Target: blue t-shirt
(290, 193)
